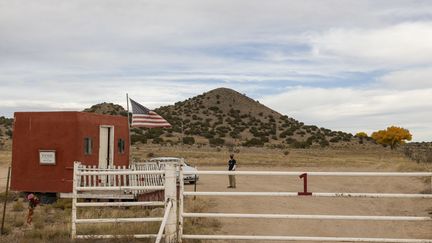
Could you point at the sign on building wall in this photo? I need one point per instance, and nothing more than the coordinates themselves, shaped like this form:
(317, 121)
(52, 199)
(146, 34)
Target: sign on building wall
(47, 157)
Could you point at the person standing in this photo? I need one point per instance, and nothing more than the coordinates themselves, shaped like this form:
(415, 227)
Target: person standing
(232, 164)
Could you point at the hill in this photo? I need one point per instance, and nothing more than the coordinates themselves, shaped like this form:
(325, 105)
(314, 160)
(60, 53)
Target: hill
(225, 117)
(108, 109)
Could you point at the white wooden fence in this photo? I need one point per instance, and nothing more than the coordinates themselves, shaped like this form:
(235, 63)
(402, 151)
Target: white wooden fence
(305, 192)
(139, 178)
(134, 179)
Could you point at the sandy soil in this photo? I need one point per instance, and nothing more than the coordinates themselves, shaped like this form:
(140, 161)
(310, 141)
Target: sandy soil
(309, 205)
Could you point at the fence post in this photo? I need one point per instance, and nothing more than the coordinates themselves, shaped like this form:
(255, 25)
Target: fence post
(6, 198)
(171, 195)
(74, 198)
(181, 201)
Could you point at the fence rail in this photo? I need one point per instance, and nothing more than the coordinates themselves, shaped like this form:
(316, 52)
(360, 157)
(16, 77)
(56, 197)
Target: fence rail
(301, 238)
(302, 175)
(313, 194)
(297, 173)
(305, 216)
(118, 204)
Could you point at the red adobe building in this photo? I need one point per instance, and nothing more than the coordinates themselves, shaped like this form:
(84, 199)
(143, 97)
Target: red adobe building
(46, 144)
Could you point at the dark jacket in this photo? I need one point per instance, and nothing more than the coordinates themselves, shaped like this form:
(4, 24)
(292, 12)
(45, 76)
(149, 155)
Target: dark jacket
(231, 164)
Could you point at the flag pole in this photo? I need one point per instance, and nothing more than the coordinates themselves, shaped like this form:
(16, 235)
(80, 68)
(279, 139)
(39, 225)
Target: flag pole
(128, 118)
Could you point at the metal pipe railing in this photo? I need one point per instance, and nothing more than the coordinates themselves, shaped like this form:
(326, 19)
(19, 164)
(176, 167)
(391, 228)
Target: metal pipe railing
(302, 238)
(107, 188)
(313, 194)
(297, 173)
(116, 220)
(118, 204)
(305, 216)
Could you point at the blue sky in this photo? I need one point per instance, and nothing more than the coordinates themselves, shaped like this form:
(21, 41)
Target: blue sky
(346, 65)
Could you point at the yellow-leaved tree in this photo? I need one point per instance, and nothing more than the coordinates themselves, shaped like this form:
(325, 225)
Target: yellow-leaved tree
(392, 136)
(361, 135)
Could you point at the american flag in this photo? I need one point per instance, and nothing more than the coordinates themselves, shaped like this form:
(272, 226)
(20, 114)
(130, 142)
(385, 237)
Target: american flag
(143, 117)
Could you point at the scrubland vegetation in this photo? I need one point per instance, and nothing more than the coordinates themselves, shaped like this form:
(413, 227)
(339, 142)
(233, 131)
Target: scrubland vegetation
(51, 223)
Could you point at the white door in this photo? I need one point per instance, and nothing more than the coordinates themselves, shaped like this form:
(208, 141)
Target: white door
(106, 146)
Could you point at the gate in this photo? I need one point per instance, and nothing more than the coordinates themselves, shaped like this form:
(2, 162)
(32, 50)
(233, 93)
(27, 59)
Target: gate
(132, 180)
(125, 181)
(304, 193)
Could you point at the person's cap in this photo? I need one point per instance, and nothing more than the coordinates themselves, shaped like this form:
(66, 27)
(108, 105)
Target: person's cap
(30, 196)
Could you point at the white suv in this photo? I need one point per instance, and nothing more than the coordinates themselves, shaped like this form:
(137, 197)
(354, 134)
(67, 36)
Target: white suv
(161, 161)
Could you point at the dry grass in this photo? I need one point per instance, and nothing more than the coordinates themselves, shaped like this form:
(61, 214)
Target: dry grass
(18, 206)
(51, 223)
(375, 157)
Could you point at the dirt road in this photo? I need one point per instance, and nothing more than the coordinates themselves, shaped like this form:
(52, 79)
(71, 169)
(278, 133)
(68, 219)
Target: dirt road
(309, 205)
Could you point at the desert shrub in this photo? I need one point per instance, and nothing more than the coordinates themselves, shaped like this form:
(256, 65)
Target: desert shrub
(153, 133)
(301, 133)
(234, 134)
(216, 141)
(334, 139)
(12, 196)
(253, 142)
(18, 206)
(189, 140)
(324, 143)
(6, 121)
(286, 152)
(301, 145)
(208, 135)
(138, 138)
(62, 204)
(290, 140)
(157, 140)
(9, 133)
(150, 155)
(277, 146)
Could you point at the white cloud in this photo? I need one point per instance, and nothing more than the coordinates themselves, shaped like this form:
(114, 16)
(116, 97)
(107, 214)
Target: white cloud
(356, 110)
(403, 44)
(415, 78)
